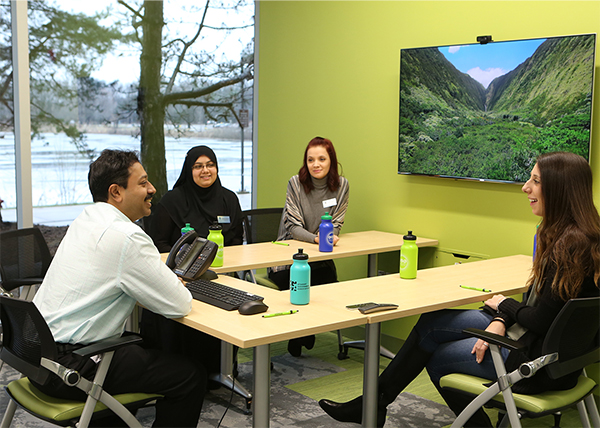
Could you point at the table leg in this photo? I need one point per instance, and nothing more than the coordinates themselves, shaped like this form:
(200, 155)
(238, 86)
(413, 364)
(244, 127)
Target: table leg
(262, 386)
(371, 375)
(225, 377)
(372, 262)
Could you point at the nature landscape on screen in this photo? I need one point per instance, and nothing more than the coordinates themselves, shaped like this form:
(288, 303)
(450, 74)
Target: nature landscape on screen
(456, 126)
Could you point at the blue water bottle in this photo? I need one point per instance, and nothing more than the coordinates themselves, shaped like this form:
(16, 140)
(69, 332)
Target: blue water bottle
(326, 234)
(300, 279)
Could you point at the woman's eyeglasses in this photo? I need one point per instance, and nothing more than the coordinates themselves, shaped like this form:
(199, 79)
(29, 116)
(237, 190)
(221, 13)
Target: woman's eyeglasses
(199, 166)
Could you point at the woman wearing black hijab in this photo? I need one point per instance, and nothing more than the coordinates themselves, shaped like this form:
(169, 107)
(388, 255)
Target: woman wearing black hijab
(197, 198)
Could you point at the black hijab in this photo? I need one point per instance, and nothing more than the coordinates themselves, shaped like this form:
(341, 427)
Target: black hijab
(199, 206)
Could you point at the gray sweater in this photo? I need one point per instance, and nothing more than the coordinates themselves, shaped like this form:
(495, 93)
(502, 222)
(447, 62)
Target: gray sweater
(303, 211)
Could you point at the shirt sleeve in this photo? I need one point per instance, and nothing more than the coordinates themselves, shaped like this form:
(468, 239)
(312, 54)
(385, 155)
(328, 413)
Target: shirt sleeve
(536, 318)
(294, 221)
(237, 229)
(342, 205)
(147, 279)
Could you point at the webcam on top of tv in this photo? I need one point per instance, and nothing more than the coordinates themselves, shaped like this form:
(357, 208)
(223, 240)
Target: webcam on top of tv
(484, 40)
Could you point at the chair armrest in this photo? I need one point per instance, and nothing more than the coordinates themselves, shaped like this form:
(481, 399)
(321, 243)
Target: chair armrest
(493, 338)
(107, 345)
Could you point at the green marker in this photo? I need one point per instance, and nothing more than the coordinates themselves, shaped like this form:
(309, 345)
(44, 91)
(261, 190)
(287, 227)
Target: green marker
(277, 314)
(280, 243)
(485, 290)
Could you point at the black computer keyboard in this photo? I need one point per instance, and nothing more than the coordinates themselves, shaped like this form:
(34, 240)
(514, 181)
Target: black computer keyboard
(219, 295)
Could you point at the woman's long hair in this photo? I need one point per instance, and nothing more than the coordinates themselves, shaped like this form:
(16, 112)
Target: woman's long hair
(569, 234)
(333, 177)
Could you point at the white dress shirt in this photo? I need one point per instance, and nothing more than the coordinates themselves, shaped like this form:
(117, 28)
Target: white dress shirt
(103, 266)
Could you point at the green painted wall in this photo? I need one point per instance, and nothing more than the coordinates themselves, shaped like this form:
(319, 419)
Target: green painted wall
(331, 68)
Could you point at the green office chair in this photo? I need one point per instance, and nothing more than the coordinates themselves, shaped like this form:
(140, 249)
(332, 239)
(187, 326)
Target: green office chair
(570, 345)
(30, 349)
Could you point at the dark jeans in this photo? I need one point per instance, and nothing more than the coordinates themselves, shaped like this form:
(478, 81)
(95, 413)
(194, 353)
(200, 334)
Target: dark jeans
(441, 334)
(135, 369)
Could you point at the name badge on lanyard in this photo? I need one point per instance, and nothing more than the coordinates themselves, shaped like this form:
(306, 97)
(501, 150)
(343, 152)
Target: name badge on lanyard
(329, 203)
(223, 219)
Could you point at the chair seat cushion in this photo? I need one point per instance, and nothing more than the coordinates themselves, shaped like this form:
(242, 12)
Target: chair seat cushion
(57, 409)
(537, 403)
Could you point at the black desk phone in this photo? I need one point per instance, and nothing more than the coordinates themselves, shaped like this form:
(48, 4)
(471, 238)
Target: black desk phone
(191, 256)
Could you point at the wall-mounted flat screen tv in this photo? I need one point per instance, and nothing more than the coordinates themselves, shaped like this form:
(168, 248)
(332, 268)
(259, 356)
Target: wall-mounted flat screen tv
(486, 111)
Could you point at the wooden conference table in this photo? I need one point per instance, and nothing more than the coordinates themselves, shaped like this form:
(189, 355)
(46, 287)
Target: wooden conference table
(267, 254)
(433, 289)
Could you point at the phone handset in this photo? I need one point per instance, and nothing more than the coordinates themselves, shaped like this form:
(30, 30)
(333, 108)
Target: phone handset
(191, 256)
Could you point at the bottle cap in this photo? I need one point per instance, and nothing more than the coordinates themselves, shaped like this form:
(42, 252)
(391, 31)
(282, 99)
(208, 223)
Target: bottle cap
(410, 236)
(187, 228)
(326, 216)
(300, 255)
(215, 226)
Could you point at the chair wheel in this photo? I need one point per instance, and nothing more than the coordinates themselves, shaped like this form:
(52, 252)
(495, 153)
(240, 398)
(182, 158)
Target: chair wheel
(342, 356)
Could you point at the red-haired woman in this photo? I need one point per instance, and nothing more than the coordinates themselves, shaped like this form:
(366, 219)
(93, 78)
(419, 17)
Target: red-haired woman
(318, 188)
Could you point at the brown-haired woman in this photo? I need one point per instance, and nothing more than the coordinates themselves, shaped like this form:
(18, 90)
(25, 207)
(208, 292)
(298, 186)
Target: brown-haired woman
(566, 266)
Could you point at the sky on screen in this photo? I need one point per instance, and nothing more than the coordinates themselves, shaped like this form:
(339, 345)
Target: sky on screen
(486, 62)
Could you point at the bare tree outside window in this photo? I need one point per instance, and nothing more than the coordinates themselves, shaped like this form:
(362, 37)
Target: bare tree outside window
(145, 70)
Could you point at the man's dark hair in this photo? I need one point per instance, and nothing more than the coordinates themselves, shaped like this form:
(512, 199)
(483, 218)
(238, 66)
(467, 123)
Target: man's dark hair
(111, 167)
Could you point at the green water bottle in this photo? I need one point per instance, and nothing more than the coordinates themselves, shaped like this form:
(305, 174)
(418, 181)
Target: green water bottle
(186, 229)
(409, 253)
(215, 235)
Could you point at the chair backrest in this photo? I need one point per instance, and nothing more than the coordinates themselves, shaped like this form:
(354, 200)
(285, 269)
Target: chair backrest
(26, 338)
(24, 254)
(261, 225)
(574, 334)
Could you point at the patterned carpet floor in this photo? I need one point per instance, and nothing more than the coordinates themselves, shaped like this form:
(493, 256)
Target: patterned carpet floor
(296, 386)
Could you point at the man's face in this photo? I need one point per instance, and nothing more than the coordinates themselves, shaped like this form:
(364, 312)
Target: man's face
(137, 197)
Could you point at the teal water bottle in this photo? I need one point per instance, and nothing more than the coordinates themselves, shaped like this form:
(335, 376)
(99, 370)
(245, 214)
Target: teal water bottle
(300, 279)
(186, 229)
(215, 235)
(326, 234)
(409, 254)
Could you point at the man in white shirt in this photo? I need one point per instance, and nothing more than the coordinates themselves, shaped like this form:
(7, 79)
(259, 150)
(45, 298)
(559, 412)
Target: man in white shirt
(103, 266)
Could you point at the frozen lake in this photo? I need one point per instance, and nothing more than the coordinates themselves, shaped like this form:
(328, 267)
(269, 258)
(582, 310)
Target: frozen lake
(59, 172)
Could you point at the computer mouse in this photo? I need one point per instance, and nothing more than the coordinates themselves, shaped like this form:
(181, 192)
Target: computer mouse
(252, 307)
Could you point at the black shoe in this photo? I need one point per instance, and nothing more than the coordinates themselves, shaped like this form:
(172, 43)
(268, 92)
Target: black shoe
(308, 341)
(344, 412)
(350, 411)
(295, 347)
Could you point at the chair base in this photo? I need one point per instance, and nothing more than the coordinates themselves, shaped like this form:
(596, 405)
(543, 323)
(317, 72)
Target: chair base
(359, 344)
